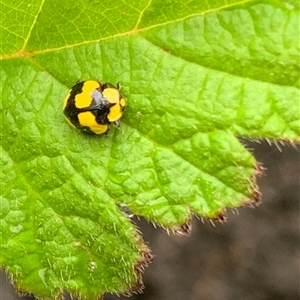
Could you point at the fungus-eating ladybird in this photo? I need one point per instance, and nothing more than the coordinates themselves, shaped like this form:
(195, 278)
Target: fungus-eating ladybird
(91, 106)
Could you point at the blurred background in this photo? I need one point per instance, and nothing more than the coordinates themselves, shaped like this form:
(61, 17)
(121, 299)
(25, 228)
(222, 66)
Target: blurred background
(254, 256)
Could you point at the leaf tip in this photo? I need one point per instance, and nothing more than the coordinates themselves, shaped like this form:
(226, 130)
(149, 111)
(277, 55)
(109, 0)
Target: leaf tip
(184, 229)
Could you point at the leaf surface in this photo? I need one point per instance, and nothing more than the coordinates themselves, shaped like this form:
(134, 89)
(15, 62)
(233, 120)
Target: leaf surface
(196, 76)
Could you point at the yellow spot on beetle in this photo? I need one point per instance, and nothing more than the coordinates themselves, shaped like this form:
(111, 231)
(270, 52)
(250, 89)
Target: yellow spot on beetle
(88, 119)
(84, 99)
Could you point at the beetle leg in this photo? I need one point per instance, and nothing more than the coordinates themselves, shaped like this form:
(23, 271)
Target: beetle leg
(117, 123)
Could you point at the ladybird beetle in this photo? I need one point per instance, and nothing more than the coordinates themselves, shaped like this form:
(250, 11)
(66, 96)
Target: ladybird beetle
(91, 106)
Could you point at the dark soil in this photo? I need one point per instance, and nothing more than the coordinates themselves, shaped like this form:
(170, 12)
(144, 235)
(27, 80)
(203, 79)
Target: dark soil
(254, 256)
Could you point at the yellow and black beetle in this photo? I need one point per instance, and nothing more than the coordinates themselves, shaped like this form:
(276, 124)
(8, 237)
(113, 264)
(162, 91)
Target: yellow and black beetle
(91, 106)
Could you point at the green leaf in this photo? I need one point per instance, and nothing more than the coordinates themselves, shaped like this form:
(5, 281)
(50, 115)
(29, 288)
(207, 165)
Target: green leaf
(196, 76)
